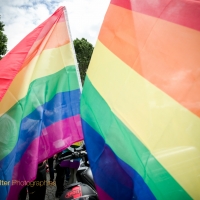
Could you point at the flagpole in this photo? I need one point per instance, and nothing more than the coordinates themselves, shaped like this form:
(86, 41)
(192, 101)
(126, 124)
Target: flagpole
(73, 50)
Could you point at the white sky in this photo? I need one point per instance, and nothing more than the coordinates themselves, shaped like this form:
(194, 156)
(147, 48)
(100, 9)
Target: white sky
(22, 16)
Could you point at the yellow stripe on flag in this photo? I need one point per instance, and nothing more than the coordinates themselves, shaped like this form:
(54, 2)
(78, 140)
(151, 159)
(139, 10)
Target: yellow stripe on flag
(55, 59)
(165, 127)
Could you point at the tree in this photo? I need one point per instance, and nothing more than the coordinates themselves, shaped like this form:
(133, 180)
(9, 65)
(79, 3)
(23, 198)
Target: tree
(3, 40)
(83, 51)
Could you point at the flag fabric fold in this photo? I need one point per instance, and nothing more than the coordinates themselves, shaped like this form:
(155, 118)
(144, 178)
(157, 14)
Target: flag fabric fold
(140, 105)
(40, 105)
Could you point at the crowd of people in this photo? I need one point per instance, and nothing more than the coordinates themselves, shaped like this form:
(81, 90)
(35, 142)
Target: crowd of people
(37, 190)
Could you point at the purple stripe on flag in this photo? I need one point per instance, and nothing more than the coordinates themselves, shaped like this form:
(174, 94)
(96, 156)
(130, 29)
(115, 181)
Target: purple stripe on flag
(67, 132)
(102, 194)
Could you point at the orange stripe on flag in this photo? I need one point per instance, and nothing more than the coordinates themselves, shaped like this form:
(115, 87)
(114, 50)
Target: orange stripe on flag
(33, 44)
(56, 37)
(164, 53)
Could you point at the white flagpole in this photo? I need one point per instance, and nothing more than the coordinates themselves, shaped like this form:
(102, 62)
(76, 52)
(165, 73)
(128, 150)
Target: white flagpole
(73, 50)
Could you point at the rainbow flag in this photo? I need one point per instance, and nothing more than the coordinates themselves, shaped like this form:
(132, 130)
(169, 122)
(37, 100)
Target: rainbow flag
(140, 105)
(40, 110)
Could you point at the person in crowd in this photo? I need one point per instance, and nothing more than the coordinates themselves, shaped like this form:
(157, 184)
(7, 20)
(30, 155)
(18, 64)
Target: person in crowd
(51, 168)
(35, 191)
(61, 172)
(60, 176)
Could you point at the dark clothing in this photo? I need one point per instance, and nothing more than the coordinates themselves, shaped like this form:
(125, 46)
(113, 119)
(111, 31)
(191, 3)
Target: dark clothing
(23, 193)
(60, 180)
(51, 169)
(37, 192)
(60, 177)
(67, 171)
(37, 188)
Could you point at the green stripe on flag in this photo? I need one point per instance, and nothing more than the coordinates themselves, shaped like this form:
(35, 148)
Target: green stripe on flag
(40, 91)
(96, 112)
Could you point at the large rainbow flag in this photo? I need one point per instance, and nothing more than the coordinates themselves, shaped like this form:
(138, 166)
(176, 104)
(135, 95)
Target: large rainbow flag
(40, 108)
(140, 105)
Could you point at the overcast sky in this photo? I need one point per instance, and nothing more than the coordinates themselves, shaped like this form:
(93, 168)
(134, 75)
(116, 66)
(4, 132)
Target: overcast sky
(22, 16)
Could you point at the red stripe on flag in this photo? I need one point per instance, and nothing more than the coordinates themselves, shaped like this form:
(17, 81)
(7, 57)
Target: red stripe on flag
(25, 51)
(185, 13)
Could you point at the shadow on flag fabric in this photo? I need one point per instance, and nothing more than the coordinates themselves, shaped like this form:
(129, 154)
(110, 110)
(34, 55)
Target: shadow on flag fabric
(140, 105)
(40, 110)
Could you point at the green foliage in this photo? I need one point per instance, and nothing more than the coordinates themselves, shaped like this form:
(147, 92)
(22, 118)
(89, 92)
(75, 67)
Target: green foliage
(3, 40)
(83, 51)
